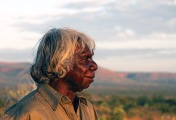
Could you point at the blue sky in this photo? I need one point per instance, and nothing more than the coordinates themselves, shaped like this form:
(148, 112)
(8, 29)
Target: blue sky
(130, 35)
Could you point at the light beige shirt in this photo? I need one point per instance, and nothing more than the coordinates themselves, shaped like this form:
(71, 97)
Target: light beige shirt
(45, 103)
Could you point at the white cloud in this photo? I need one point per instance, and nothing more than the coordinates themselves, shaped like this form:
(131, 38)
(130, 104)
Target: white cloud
(122, 5)
(167, 52)
(138, 44)
(124, 33)
(168, 2)
(91, 9)
(172, 22)
(11, 38)
(163, 36)
(153, 41)
(143, 26)
(28, 8)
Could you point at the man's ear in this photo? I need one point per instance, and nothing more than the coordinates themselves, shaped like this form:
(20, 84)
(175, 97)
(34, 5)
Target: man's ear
(62, 73)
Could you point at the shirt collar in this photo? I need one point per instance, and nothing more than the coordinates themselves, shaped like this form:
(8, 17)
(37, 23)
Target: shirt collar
(82, 98)
(50, 95)
(53, 97)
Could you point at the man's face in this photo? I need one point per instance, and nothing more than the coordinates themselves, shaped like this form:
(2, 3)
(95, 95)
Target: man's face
(83, 72)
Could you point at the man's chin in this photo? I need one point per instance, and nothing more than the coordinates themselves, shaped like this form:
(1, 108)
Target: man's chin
(81, 89)
(77, 89)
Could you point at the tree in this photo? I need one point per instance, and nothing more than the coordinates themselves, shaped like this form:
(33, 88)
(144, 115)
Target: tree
(118, 113)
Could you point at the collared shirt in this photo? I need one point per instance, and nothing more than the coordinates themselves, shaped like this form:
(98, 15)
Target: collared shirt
(45, 103)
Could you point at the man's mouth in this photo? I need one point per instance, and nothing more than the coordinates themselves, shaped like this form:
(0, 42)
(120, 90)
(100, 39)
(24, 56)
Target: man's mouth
(90, 77)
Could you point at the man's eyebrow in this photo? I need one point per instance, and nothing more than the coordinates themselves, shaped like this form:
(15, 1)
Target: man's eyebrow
(87, 53)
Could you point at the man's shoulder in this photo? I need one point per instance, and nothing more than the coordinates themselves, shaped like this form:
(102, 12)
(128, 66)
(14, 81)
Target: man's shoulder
(25, 105)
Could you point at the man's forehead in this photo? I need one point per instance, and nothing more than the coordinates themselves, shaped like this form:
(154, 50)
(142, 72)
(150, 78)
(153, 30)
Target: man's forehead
(81, 50)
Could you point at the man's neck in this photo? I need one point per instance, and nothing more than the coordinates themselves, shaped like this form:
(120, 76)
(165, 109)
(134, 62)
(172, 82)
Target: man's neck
(63, 88)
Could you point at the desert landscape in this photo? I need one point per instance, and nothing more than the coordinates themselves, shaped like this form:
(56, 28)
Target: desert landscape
(115, 95)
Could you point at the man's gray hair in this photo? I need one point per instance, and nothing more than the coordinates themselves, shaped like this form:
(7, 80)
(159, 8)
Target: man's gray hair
(55, 53)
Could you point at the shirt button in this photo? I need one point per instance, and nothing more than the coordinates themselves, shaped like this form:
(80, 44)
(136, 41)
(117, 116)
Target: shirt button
(65, 100)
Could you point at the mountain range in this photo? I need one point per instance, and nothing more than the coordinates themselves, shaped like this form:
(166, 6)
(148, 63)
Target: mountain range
(11, 74)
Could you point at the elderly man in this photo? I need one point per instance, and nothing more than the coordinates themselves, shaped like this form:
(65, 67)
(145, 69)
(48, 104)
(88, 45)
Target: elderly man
(62, 68)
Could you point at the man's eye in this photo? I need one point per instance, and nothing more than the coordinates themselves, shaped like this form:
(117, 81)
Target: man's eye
(86, 58)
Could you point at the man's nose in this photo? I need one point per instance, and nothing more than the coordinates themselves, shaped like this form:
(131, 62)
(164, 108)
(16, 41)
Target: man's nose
(93, 66)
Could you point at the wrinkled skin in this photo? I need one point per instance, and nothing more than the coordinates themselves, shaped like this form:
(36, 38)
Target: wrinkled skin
(83, 72)
(78, 78)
